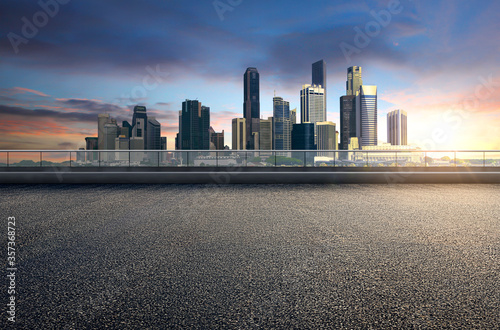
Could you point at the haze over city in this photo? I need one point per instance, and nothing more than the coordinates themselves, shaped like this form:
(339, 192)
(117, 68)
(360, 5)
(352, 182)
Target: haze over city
(437, 61)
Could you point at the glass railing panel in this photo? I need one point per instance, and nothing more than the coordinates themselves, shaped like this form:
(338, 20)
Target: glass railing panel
(470, 159)
(410, 159)
(325, 158)
(492, 159)
(85, 158)
(351, 158)
(140, 159)
(309, 157)
(3, 158)
(263, 158)
(440, 159)
(380, 158)
(56, 158)
(173, 158)
(203, 158)
(232, 158)
(25, 158)
(286, 158)
(114, 158)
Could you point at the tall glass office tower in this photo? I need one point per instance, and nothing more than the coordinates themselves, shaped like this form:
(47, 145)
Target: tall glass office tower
(281, 129)
(251, 105)
(319, 75)
(354, 80)
(195, 124)
(366, 115)
(312, 105)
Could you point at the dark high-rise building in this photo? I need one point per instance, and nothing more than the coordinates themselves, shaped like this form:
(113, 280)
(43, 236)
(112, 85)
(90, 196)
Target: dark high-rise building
(139, 128)
(153, 134)
(347, 120)
(354, 80)
(319, 75)
(102, 119)
(92, 144)
(194, 129)
(126, 129)
(303, 137)
(217, 139)
(205, 127)
(251, 105)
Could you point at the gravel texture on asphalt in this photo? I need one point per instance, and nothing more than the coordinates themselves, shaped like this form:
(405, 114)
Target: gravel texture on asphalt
(255, 256)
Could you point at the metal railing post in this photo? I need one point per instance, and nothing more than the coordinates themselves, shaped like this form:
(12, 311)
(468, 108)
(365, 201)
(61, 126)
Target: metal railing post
(70, 158)
(8, 160)
(99, 157)
(397, 163)
(425, 158)
(216, 159)
(484, 158)
(158, 154)
(455, 159)
(305, 159)
(275, 162)
(187, 158)
(41, 159)
(129, 159)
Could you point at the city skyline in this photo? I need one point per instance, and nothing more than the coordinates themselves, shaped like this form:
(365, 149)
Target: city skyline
(422, 63)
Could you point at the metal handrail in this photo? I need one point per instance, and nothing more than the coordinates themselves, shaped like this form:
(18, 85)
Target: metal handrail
(368, 157)
(359, 150)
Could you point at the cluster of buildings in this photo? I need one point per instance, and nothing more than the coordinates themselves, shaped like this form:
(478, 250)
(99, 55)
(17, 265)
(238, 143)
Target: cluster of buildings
(358, 118)
(143, 134)
(358, 122)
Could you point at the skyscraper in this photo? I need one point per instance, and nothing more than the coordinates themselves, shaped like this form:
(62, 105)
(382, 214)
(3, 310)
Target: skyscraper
(102, 119)
(347, 120)
(205, 128)
(139, 128)
(195, 124)
(354, 80)
(281, 127)
(251, 105)
(327, 136)
(239, 133)
(110, 134)
(153, 134)
(293, 116)
(303, 137)
(92, 144)
(397, 132)
(266, 134)
(312, 105)
(319, 75)
(366, 115)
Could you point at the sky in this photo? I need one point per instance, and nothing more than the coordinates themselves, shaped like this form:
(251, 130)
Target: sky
(63, 62)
